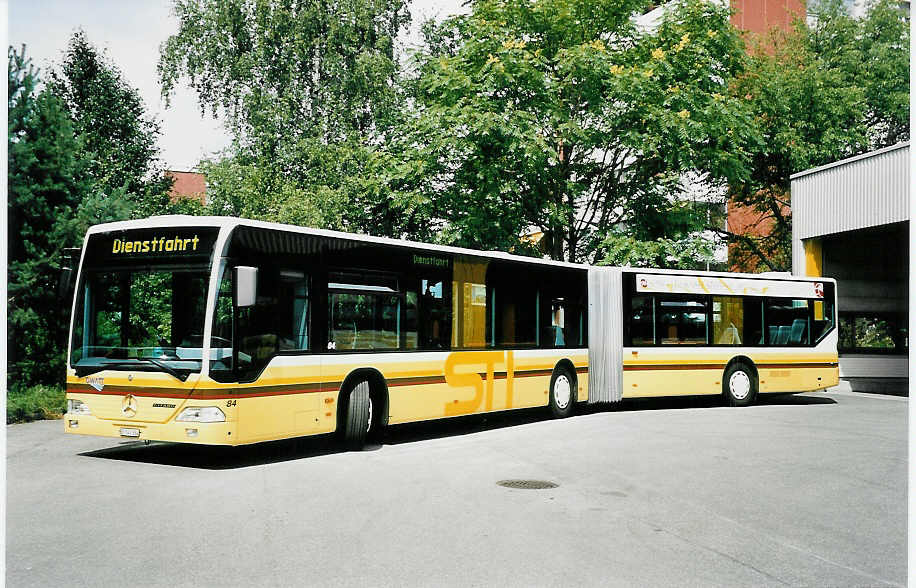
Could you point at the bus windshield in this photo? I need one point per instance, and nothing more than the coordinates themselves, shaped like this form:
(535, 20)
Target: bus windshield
(141, 319)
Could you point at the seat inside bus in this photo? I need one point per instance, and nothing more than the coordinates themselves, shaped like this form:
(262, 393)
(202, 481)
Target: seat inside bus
(782, 334)
(797, 334)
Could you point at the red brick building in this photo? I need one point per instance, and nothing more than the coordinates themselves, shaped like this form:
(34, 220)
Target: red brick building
(759, 17)
(188, 185)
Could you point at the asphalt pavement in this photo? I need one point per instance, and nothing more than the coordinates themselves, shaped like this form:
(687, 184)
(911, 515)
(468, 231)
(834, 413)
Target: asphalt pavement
(805, 490)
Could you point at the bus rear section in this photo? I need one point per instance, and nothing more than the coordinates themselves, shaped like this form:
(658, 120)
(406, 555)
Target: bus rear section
(700, 334)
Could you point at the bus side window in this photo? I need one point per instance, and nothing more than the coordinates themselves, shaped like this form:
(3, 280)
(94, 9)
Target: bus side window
(428, 314)
(681, 320)
(434, 311)
(277, 322)
(411, 320)
(470, 306)
(753, 322)
(641, 320)
(823, 314)
(364, 311)
(788, 322)
(728, 321)
(557, 330)
(514, 300)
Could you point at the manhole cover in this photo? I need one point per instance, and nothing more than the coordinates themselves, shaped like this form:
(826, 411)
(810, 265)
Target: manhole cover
(527, 484)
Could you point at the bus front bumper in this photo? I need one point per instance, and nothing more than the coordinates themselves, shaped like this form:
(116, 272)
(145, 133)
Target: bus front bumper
(223, 433)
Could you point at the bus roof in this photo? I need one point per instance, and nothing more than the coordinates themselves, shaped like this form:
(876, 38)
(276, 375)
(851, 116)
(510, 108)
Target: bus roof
(231, 222)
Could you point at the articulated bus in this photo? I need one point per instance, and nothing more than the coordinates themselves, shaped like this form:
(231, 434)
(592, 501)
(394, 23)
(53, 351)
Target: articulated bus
(226, 331)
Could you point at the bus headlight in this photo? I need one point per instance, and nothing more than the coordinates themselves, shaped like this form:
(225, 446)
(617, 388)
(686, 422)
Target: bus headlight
(77, 407)
(202, 414)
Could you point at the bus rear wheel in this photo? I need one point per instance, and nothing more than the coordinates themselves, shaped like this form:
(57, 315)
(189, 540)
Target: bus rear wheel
(358, 416)
(739, 385)
(562, 393)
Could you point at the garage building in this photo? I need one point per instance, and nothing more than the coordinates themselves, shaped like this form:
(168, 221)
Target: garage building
(850, 221)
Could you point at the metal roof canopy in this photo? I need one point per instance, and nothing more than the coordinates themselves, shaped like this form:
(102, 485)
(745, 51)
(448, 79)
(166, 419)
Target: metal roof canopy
(861, 192)
(867, 190)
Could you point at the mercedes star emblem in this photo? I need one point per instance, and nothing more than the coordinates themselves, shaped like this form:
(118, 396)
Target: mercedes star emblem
(129, 406)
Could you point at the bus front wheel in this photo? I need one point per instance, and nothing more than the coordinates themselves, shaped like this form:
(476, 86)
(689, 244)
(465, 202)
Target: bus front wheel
(562, 393)
(358, 416)
(739, 385)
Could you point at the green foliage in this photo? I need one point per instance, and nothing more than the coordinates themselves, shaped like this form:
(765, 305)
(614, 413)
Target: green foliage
(117, 138)
(81, 152)
(823, 93)
(565, 118)
(36, 403)
(46, 184)
(309, 91)
(690, 252)
(871, 55)
(235, 188)
(284, 71)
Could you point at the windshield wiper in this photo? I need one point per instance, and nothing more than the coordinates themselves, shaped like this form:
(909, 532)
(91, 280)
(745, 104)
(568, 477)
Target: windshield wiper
(169, 370)
(91, 369)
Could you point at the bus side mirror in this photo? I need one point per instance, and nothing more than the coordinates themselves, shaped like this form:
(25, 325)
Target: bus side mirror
(69, 261)
(246, 286)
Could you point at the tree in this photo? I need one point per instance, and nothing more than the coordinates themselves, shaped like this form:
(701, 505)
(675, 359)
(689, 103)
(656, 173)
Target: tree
(283, 72)
(821, 93)
(309, 92)
(342, 186)
(117, 137)
(871, 53)
(567, 119)
(46, 183)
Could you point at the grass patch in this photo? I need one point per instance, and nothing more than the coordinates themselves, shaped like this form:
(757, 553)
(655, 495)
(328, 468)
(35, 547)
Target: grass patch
(35, 403)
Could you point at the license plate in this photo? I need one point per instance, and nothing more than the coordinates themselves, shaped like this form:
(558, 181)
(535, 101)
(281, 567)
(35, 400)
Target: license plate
(130, 432)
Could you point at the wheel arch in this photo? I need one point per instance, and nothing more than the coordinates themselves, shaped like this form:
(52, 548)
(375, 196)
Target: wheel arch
(567, 365)
(378, 391)
(746, 361)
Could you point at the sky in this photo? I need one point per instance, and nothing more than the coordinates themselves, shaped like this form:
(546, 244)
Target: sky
(130, 32)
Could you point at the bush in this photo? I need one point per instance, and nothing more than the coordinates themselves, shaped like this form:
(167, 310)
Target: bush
(35, 403)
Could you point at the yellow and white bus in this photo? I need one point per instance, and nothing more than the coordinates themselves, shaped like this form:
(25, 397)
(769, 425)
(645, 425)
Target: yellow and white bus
(227, 331)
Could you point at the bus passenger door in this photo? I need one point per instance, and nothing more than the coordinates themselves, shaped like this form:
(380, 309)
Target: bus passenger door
(280, 379)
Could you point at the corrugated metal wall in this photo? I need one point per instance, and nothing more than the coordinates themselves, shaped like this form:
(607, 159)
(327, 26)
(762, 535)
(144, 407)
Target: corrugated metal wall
(605, 335)
(865, 191)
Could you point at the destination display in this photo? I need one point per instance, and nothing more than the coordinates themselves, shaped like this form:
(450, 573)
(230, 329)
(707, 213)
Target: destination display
(160, 245)
(722, 286)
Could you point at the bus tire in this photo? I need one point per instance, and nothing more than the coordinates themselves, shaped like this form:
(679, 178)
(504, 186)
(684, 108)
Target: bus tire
(739, 384)
(357, 416)
(562, 393)
(378, 419)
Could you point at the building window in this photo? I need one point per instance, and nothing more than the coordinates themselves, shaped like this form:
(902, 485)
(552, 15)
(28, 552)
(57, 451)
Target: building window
(862, 332)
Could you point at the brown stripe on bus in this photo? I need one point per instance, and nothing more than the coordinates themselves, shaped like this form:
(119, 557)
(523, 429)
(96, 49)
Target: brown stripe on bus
(797, 365)
(714, 366)
(529, 373)
(673, 366)
(416, 381)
